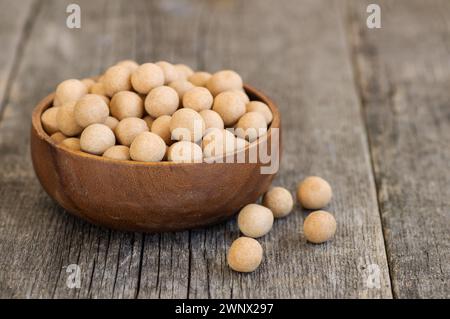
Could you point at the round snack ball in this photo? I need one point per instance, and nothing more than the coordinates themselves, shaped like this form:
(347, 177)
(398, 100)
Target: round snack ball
(225, 80)
(243, 95)
(48, 120)
(162, 100)
(161, 127)
(245, 254)
(212, 119)
(198, 99)
(126, 104)
(230, 107)
(116, 79)
(90, 109)
(66, 120)
(187, 125)
(89, 83)
(130, 127)
(129, 64)
(111, 122)
(98, 88)
(118, 152)
(251, 126)
(70, 91)
(72, 143)
(58, 137)
(181, 86)
(147, 77)
(279, 201)
(169, 70)
(319, 227)
(148, 147)
(260, 107)
(199, 78)
(183, 71)
(314, 192)
(149, 120)
(218, 142)
(185, 152)
(255, 220)
(96, 139)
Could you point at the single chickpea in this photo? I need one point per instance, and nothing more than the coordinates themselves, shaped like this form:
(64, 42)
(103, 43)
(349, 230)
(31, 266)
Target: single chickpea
(147, 77)
(184, 71)
(48, 119)
(187, 125)
(225, 80)
(66, 120)
(72, 143)
(161, 127)
(245, 254)
(181, 86)
(70, 91)
(255, 220)
(199, 78)
(116, 79)
(111, 122)
(90, 109)
(319, 227)
(58, 137)
(96, 139)
(230, 107)
(314, 193)
(169, 70)
(130, 127)
(212, 120)
(218, 142)
(147, 147)
(149, 120)
(260, 107)
(185, 152)
(126, 104)
(118, 152)
(279, 201)
(251, 126)
(129, 64)
(198, 99)
(162, 100)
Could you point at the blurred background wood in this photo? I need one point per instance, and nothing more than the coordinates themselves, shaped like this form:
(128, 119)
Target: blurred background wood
(367, 110)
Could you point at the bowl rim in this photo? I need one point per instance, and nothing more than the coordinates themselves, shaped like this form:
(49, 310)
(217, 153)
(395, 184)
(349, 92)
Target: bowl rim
(46, 103)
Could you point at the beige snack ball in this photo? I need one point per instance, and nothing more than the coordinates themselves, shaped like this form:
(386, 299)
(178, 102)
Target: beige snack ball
(129, 64)
(111, 122)
(245, 254)
(319, 227)
(96, 139)
(116, 79)
(279, 201)
(161, 127)
(169, 71)
(199, 78)
(212, 120)
(184, 71)
(149, 120)
(70, 91)
(198, 99)
(72, 143)
(251, 126)
(130, 127)
(148, 147)
(255, 220)
(243, 95)
(126, 104)
(48, 120)
(90, 109)
(118, 152)
(181, 86)
(230, 107)
(162, 100)
(147, 77)
(187, 125)
(58, 137)
(260, 107)
(66, 120)
(225, 80)
(314, 192)
(185, 152)
(218, 142)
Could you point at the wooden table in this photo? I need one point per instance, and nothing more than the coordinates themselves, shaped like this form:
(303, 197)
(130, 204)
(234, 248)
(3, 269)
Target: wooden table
(367, 109)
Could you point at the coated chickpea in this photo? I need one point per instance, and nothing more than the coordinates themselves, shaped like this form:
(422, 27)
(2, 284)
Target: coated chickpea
(187, 125)
(212, 119)
(130, 127)
(126, 104)
(72, 143)
(251, 126)
(90, 109)
(184, 71)
(147, 77)
(314, 192)
(96, 139)
(49, 122)
(199, 78)
(181, 86)
(66, 120)
(319, 227)
(185, 152)
(111, 122)
(230, 107)
(224, 80)
(169, 70)
(162, 100)
(116, 79)
(198, 99)
(161, 127)
(147, 147)
(245, 254)
(118, 152)
(255, 220)
(260, 107)
(70, 91)
(279, 201)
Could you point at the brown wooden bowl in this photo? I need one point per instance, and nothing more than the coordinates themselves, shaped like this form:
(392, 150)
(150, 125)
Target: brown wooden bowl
(150, 197)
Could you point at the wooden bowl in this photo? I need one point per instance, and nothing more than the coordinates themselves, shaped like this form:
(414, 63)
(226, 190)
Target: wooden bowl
(150, 197)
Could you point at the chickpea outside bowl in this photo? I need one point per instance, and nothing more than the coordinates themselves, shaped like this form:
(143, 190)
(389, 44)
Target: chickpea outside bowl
(148, 196)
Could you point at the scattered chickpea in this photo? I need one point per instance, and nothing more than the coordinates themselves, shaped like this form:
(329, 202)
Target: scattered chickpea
(319, 227)
(130, 127)
(225, 80)
(230, 107)
(314, 192)
(147, 147)
(72, 143)
(260, 107)
(185, 152)
(198, 99)
(161, 127)
(279, 201)
(162, 100)
(96, 139)
(199, 78)
(90, 109)
(48, 119)
(147, 77)
(126, 104)
(118, 152)
(255, 220)
(245, 254)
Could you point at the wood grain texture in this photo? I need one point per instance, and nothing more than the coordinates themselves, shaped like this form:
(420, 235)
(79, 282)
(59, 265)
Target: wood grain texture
(403, 74)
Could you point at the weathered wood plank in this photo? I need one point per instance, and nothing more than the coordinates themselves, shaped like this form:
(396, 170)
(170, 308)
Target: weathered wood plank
(404, 75)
